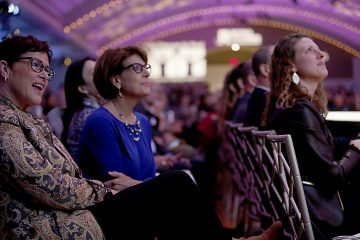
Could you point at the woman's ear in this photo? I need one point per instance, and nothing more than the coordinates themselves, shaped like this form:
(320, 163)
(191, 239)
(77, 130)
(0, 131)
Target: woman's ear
(264, 69)
(4, 70)
(293, 67)
(83, 89)
(232, 88)
(116, 81)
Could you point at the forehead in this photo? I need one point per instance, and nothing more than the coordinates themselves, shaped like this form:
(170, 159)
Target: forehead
(304, 43)
(89, 65)
(133, 59)
(43, 57)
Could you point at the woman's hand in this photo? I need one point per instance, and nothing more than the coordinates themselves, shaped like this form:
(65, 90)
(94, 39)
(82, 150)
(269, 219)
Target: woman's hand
(274, 232)
(120, 182)
(164, 162)
(356, 143)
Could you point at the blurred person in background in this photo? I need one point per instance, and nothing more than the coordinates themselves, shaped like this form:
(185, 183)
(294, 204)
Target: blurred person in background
(246, 73)
(261, 63)
(82, 98)
(55, 105)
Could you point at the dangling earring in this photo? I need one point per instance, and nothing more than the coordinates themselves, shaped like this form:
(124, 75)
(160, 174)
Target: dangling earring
(121, 95)
(295, 78)
(5, 78)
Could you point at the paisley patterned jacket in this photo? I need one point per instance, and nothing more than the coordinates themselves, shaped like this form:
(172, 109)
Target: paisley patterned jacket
(42, 193)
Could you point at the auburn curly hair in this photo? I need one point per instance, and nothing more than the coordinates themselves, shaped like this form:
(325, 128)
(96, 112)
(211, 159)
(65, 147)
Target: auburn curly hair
(283, 91)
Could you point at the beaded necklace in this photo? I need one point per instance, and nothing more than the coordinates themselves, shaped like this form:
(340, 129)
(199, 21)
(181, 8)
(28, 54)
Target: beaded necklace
(134, 129)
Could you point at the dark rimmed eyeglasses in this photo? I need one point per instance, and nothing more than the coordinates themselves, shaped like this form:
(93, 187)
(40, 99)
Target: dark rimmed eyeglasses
(38, 66)
(138, 68)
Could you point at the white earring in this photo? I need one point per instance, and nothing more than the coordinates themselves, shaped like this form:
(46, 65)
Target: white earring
(5, 78)
(295, 78)
(121, 95)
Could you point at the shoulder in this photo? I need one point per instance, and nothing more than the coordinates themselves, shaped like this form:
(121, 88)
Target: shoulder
(99, 120)
(257, 95)
(305, 108)
(100, 114)
(303, 113)
(8, 114)
(15, 116)
(85, 112)
(142, 118)
(259, 90)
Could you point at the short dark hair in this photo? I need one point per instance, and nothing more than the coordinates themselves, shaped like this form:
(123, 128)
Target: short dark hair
(110, 63)
(261, 56)
(13, 47)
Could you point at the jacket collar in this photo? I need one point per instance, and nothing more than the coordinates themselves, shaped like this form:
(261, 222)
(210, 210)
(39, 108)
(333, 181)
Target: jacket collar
(8, 102)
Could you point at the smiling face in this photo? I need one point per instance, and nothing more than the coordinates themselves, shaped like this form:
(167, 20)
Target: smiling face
(135, 84)
(309, 61)
(25, 87)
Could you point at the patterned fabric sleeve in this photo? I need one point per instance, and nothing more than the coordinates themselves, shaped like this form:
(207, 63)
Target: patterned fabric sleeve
(37, 169)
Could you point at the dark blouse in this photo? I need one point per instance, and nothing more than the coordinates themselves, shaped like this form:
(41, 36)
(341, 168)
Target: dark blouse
(314, 146)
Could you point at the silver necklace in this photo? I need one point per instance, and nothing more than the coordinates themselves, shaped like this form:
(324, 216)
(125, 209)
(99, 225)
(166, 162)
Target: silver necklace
(134, 129)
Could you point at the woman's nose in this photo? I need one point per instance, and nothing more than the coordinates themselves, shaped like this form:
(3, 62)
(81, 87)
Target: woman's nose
(321, 54)
(147, 72)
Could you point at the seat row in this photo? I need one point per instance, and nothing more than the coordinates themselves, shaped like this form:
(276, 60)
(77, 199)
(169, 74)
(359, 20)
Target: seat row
(266, 164)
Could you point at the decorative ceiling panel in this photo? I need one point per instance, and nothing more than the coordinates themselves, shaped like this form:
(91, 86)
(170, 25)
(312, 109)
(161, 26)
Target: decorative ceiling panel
(97, 25)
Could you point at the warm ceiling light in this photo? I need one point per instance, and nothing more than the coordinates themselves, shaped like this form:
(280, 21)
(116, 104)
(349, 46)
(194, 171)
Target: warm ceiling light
(235, 47)
(67, 61)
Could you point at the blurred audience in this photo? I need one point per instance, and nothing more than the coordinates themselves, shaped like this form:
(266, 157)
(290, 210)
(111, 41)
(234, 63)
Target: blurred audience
(53, 110)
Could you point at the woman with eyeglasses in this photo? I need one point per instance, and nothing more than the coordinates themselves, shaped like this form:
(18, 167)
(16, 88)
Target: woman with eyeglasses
(42, 192)
(115, 137)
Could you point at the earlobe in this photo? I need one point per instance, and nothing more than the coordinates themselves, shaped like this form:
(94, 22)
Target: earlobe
(83, 89)
(232, 88)
(293, 68)
(4, 70)
(264, 69)
(115, 80)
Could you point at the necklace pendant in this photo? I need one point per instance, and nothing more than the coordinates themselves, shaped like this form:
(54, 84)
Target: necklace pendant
(134, 130)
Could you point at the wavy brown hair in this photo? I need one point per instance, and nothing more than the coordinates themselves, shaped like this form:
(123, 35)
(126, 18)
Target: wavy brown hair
(283, 91)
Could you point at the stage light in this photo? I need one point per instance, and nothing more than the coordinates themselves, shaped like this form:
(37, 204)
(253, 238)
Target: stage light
(67, 61)
(9, 9)
(13, 9)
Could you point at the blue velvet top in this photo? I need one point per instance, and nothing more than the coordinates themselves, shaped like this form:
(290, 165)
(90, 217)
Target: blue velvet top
(107, 145)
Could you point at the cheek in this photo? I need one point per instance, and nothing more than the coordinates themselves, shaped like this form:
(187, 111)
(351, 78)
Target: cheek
(303, 66)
